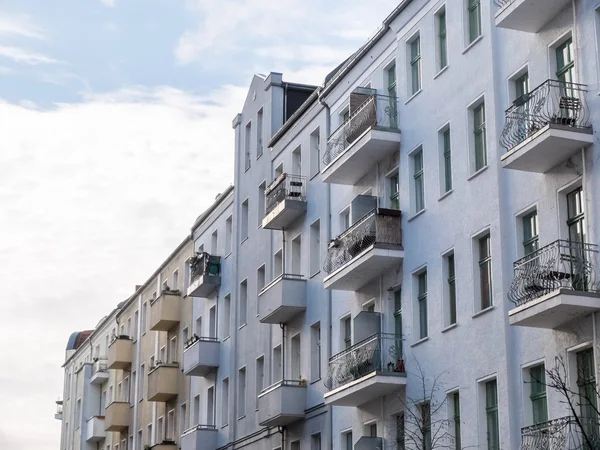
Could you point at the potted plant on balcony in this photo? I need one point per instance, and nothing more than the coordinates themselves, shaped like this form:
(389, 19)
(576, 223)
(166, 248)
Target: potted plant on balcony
(396, 355)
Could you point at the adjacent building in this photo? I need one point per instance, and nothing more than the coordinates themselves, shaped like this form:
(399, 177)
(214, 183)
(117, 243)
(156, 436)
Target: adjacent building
(407, 249)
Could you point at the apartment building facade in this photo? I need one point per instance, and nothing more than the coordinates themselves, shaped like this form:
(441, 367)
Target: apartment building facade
(408, 248)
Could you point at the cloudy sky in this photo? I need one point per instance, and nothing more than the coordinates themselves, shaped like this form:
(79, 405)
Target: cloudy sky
(115, 133)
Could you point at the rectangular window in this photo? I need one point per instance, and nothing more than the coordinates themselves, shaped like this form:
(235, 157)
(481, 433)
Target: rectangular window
(176, 279)
(277, 368)
(426, 425)
(485, 271)
(422, 302)
(400, 438)
(261, 202)
(398, 317)
(182, 418)
(588, 397)
(392, 95)
(315, 441)
(149, 435)
(159, 430)
(228, 234)
(260, 281)
(244, 224)
(170, 432)
(539, 406)
(415, 65)
(241, 392)
(210, 406)
(530, 233)
(144, 316)
(491, 414)
(418, 180)
(295, 357)
(474, 12)
(141, 382)
(315, 247)
(565, 62)
(214, 244)
(225, 403)
(260, 377)
(138, 442)
(226, 316)
(297, 255)
(247, 145)
(451, 288)
(297, 161)
(315, 352)
(315, 152)
(347, 440)
(196, 410)
(347, 323)
(259, 133)
(446, 160)
(576, 216)
(394, 185)
(173, 353)
(441, 40)
(455, 422)
(243, 307)
(479, 137)
(278, 264)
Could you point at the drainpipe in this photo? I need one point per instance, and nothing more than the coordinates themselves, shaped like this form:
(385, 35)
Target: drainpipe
(282, 326)
(234, 336)
(329, 294)
(282, 251)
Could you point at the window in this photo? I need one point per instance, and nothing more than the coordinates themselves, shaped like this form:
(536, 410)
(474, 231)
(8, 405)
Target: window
(170, 432)
(261, 202)
(162, 356)
(455, 421)
(491, 414)
(241, 392)
(225, 403)
(315, 352)
(260, 377)
(315, 247)
(450, 270)
(228, 233)
(565, 64)
(210, 406)
(347, 323)
(182, 418)
(576, 217)
(539, 407)
(295, 357)
(479, 137)
(226, 315)
(315, 152)
(278, 171)
(244, 224)
(400, 440)
(214, 244)
(418, 180)
(422, 303)
(185, 335)
(485, 271)
(442, 44)
(530, 233)
(159, 429)
(295, 445)
(398, 317)
(259, 133)
(138, 442)
(345, 219)
(372, 430)
(315, 441)
(297, 255)
(277, 368)
(141, 382)
(176, 279)
(260, 282)
(196, 410)
(415, 65)
(392, 95)
(149, 435)
(130, 446)
(588, 397)
(144, 316)
(347, 440)
(394, 184)
(243, 307)
(446, 160)
(297, 161)
(173, 353)
(426, 422)
(474, 12)
(247, 145)
(278, 264)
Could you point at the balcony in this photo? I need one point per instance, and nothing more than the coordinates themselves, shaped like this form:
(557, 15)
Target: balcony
(95, 429)
(546, 127)
(116, 417)
(201, 356)
(282, 403)
(368, 370)
(120, 352)
(554, 285)
(285, 201)
(529, 16)
(369, 443)
(59, 410)
(164, 445)
(370, 247)
(201, 437)
(163, 382)
(564, 433)
(283, 299)
(369, 135)
(100, 373)
(165, 311)
(205, 275)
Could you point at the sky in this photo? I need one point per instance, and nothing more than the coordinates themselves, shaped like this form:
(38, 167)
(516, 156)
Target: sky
(115, 134)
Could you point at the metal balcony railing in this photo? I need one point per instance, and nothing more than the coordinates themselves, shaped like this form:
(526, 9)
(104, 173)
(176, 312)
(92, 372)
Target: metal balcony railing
(281, 383)
(380, 226)
(100, 364)
(564, 434)
(285, 187)
(204, 264)
(381, 352)
(552, 103)
(560, 265)
(376, 111)
(195, 338)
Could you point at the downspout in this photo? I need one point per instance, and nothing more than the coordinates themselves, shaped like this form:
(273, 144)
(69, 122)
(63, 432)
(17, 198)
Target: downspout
(329, 294)
(282, 326)
(282, 252)
(234, 291)
(137, 378)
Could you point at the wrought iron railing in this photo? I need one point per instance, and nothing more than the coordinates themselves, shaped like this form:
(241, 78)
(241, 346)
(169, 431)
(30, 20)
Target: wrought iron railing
(552, 103)
(204, 264)
(560, 265)
(376, 111)
(381, 352)
(565, 433)
(380, 226)
(285, 187)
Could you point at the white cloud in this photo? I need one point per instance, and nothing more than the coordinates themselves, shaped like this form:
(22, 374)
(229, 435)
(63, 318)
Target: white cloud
(109, 3)
(19, 25)
(95, 195)
(22, 56)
